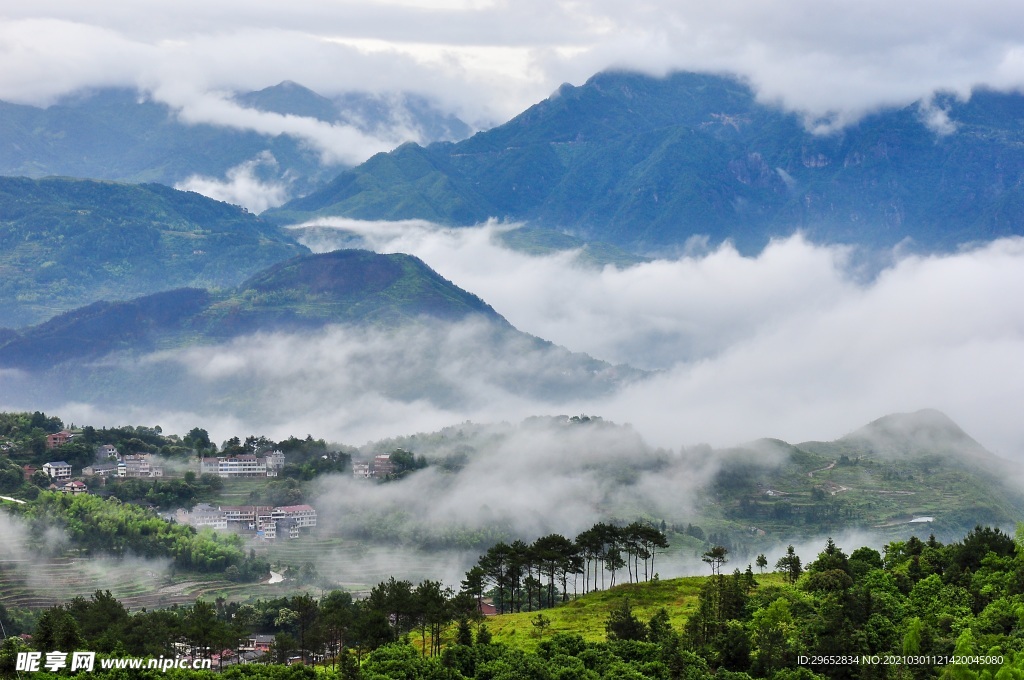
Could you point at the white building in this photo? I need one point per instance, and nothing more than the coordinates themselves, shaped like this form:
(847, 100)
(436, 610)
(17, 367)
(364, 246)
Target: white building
(58, 470)
(236, 466)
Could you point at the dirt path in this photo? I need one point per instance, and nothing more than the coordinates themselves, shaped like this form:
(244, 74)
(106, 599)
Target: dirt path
(827, 467)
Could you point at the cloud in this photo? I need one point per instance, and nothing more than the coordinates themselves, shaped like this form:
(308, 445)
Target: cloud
(488, 61)
(798, 342)
(242, 185)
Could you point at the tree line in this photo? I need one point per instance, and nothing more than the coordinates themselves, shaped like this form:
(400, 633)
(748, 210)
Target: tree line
(536, 575)
(914, 599)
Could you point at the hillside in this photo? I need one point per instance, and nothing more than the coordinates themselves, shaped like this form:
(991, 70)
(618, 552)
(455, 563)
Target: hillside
(123, 135)
(647, 163)
(310, 291)
(387, 322)
(365, 111)
(894, 470)
(65, 243)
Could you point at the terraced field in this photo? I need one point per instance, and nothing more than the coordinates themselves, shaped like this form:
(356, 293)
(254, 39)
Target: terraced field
(47, 582)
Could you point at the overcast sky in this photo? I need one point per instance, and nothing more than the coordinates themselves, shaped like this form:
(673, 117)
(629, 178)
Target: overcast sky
(488, 60)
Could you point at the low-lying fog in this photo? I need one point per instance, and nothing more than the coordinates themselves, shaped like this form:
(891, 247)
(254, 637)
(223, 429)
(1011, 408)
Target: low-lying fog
(800, 342)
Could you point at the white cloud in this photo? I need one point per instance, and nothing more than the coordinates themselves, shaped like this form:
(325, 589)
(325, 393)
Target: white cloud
(792, 343)
(489, 61)
(242, 186)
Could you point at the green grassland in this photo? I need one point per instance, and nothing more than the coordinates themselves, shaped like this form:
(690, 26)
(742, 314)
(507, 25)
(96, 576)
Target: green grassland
(586, 615)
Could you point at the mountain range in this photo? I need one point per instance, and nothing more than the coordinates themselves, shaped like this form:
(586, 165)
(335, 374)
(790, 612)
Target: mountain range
(650, 163)
(125, 135)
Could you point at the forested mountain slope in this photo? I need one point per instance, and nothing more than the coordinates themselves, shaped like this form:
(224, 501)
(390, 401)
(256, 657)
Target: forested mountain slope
(648, 163)
(65, 243)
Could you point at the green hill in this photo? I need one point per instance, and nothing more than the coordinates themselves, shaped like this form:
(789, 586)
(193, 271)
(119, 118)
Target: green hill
(310, 291)
(900, 468)
(647, 163)
(65, 243)
(395, 315)
(586, 615)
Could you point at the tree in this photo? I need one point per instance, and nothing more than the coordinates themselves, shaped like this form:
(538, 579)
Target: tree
(540, 624)
(771, 628)
(716, 557)
(831, 558)
(57, 630)
(495, 564)
(622, 624)
(789, 565)
(338, 614)
(761, 562)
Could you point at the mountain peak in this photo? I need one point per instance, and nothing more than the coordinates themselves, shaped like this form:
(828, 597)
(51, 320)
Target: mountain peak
(402, 286)
(921, 433)
(647, 163)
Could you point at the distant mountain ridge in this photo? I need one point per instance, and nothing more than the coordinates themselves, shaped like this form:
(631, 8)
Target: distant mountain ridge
(65, 243)
(648, 163)
(123, 135)
(364, 111)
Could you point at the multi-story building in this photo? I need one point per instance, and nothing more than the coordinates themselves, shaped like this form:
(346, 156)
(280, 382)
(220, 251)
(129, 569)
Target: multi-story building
(275, 463)
(304, 515)
(57, 439)
(100, 470)
(205, 515)
(138, 465)
(74, 488)
(267, 522)
(245, 516)
(237, 466)
(57, 470)
(382, 465)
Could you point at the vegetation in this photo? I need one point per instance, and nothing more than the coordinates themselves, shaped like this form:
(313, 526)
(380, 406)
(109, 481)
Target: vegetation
(644, 162)
(919, 609)
(528, 577)
(66, 243)
(108, 526)
(356, 287)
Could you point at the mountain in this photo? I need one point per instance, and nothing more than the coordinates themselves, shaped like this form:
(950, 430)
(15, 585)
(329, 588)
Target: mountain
(368, 112)
(389, 322)
(919, 435)
(310, 291)
(65, 243)
(648, 163)
(123, 135)
(913, 466)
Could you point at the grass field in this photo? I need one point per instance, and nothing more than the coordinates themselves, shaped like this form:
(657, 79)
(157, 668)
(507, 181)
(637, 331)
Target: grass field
(586, 615)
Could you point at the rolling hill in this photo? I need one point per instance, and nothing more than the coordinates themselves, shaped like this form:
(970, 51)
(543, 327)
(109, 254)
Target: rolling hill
(65, 243)
(302, 293)
(899, 472)
(393, 308)
(648, 163)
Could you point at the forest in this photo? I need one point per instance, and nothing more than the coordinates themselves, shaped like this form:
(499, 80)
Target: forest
(917, 609)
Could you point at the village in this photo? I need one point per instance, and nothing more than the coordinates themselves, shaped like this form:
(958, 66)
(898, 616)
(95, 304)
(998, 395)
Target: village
(260, 522)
